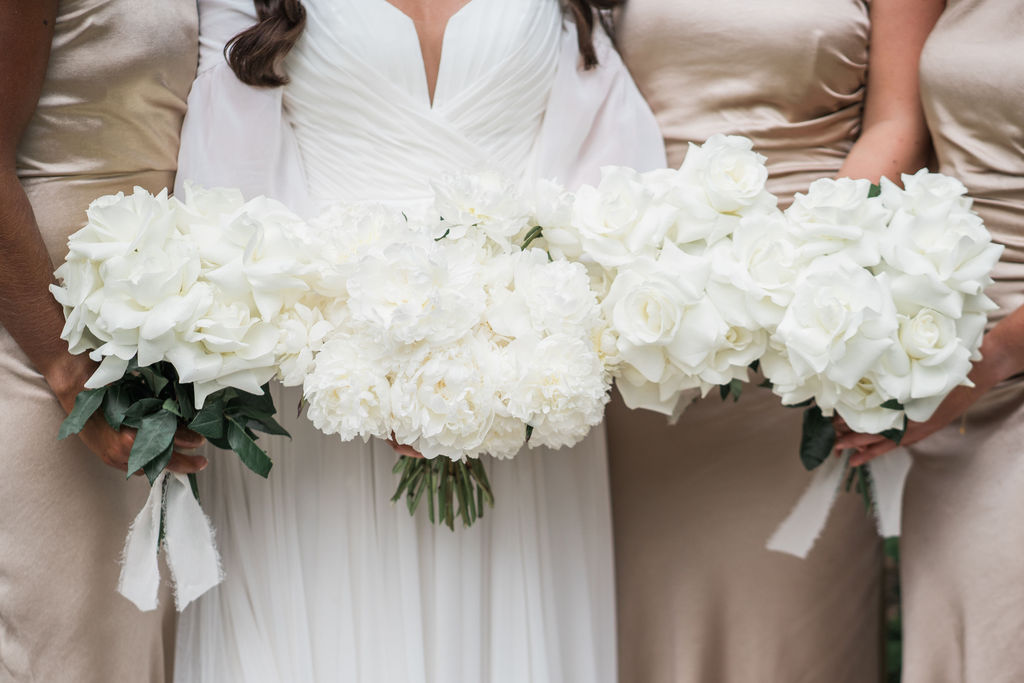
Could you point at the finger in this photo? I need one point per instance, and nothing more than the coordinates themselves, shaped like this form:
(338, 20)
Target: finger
(868, 454)
(858, 440)
(186, 439)
(181, 463)
(402, 449)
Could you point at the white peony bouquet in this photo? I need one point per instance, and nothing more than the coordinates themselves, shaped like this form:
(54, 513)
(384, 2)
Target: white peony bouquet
(886, 312)
(451, 338)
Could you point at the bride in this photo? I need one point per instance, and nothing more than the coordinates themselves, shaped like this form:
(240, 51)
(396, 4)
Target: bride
(326, 580)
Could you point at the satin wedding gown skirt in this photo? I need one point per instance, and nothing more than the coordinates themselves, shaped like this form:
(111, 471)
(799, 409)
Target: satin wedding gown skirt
(326, 580)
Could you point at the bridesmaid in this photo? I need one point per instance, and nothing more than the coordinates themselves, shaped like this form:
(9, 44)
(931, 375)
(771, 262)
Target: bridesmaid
(92, 97)
(699, 597)
(962, 561)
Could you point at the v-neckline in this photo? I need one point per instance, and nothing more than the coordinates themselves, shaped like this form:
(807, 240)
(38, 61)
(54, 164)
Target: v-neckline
(411, 23)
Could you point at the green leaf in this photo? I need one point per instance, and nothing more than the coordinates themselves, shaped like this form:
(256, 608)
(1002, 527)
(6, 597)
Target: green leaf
(446, 233)
(263, 402)
(755, 366)
(736, 389)
(209, 421)
(893, 404)
(534, 233)
(184, 395)
(261, 421)
(116, 403)
(416, 489)
(817, 439)
(194, 483)
(154, 379)
(171, 406)
(874, 191)
(252, 455)
(140, 409)
(896, 435)
(529, 433)
(86, 403)
(430, 494)
(154, 467)
(154, 436)
(723, 391)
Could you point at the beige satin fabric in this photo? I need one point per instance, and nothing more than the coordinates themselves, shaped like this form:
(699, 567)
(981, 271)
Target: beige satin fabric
(963, 512)
(108, 118)
(699, 597)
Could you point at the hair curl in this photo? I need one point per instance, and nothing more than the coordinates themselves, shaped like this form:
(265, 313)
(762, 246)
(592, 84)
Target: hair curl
(255, 54)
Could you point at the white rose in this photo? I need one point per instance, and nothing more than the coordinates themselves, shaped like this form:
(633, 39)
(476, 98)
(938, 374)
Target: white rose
(836, 215)
(730, 173)
(861, 407)
(762, 261)
(618, 220)
(667, 330)
(934, 233)
(839, 323)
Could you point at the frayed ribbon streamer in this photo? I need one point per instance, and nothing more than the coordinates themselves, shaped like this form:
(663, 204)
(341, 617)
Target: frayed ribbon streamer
(188, 544)
(798, 532)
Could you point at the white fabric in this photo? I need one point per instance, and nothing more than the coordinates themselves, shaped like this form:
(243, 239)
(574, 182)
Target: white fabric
(326, 579)
(797, 533)
(188, 542)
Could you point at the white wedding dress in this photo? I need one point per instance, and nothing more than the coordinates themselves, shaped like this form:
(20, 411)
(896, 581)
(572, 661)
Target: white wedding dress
(326, 580)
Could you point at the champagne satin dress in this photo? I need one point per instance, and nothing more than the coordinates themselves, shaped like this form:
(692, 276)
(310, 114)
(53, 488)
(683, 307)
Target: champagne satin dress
(108, 118)
(963, 514)
(699, 597)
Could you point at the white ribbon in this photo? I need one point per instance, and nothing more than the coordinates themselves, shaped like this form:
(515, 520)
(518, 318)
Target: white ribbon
(188, 543)
(798, 532)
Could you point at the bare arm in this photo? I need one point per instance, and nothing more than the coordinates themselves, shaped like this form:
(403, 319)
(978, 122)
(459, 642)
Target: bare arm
(894, 138)
(27, 311)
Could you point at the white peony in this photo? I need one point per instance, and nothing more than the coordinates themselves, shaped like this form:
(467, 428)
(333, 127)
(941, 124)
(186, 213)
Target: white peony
(410, 293)
(561, 389)
(444, 398)
(348, 391)
(485, 202)
(543, 297)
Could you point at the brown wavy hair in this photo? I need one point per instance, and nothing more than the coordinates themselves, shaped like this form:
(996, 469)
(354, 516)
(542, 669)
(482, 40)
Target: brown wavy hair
(255, 54)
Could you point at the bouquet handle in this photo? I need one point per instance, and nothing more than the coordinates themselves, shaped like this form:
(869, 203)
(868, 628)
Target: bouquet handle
(187, 539)
(797, 534)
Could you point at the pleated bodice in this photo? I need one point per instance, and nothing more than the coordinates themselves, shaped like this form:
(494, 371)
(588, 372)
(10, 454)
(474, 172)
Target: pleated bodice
(358, 101)
(110, 112)
(789, 75)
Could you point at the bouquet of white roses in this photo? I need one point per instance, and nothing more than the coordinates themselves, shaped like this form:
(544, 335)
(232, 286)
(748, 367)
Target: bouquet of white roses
(888, 309)
(687, 285)
(190, 309)
(451, 338)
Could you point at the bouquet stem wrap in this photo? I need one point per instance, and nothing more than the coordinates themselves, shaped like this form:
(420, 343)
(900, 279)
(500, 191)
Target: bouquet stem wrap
(187, 540)
(798, 532)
